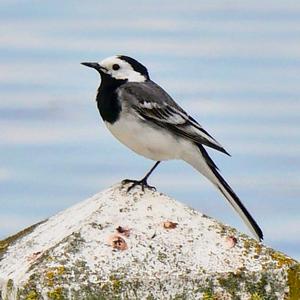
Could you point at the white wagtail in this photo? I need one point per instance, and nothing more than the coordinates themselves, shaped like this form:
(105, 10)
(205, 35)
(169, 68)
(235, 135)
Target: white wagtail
(141, 115)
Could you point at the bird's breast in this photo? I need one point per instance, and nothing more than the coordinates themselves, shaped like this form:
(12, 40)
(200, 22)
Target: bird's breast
(144, 139)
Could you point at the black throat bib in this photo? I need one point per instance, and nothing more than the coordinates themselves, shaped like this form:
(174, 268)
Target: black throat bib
(108, 103)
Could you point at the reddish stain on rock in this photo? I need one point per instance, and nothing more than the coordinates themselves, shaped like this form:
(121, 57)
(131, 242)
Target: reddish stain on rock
(169, 225)
(123, 231)
(117, 242)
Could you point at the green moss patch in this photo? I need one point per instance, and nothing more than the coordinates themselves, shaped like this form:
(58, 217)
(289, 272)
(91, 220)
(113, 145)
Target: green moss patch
(294, 282)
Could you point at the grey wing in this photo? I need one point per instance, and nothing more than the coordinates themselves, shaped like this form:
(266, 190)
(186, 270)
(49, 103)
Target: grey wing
(153, 104)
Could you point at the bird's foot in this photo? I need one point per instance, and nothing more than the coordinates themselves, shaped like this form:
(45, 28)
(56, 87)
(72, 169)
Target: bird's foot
(142, 183)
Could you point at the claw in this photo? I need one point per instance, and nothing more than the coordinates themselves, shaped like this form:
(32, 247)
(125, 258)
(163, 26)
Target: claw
(142, 183)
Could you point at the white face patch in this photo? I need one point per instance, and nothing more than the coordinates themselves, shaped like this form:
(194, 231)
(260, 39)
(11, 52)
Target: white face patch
(120, 69)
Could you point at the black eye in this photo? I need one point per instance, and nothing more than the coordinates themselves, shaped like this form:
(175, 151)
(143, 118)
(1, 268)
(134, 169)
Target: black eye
(116, 67)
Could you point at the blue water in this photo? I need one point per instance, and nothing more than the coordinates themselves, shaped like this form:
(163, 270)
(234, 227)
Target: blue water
(235, 66)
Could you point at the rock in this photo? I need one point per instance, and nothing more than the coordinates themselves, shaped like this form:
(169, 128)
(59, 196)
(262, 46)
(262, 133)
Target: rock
(140, 246)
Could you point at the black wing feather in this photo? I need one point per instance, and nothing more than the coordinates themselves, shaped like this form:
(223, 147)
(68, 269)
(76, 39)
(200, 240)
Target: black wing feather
(153, 104)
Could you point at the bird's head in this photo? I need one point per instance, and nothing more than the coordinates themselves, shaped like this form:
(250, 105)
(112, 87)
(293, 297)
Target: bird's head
(120, 68)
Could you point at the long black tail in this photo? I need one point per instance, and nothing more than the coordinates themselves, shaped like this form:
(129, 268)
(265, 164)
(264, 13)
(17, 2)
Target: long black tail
(208, 168)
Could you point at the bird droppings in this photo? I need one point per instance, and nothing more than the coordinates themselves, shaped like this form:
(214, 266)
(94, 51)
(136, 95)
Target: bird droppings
(69, 257)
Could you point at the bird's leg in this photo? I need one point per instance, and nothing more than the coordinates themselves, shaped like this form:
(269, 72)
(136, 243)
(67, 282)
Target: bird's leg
(143, 182)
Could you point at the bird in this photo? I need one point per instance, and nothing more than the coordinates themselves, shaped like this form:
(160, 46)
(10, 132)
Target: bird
(146, 119)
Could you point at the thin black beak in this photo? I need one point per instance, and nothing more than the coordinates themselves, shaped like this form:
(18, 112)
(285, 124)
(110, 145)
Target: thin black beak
(94, 65)
(91, 65)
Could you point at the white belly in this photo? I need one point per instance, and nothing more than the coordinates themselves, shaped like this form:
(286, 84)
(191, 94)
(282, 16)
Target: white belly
(145, 140)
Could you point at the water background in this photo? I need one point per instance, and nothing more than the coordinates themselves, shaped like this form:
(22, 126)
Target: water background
(234, 65)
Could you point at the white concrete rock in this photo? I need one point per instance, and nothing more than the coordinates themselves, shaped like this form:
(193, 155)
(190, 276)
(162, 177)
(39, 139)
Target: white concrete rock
(140, 245)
